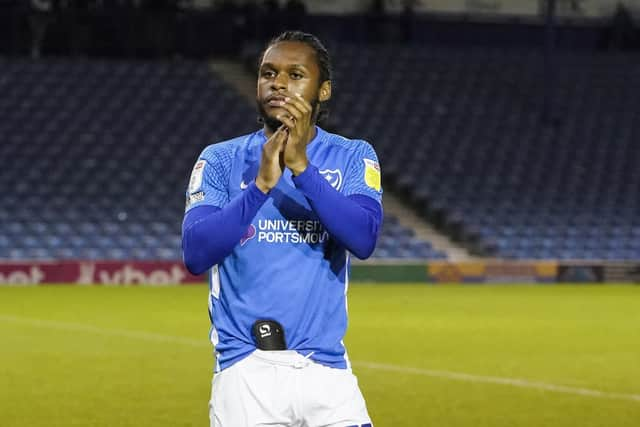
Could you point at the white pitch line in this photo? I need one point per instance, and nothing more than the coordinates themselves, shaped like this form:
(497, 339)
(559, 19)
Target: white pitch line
(459, 376)
(514, 382)
(70, 326)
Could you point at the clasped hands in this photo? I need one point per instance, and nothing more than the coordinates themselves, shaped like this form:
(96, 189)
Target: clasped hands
(287, 146)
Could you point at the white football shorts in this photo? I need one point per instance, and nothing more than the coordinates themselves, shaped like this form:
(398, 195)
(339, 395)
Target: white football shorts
(283, 388)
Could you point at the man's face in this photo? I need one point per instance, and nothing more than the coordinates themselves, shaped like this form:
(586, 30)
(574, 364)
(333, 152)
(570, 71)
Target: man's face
(287, 67)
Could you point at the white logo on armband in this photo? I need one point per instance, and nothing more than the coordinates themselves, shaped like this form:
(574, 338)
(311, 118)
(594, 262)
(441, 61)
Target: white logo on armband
(265, 331)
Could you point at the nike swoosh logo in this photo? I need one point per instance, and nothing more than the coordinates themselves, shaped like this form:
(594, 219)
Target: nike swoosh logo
(243, 185)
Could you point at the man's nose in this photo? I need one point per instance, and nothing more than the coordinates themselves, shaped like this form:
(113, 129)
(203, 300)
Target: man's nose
(280, 82)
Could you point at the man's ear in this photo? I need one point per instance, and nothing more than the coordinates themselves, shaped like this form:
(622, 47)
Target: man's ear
(325, 91)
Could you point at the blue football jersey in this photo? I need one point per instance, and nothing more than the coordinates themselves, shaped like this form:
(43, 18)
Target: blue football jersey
(286, 267)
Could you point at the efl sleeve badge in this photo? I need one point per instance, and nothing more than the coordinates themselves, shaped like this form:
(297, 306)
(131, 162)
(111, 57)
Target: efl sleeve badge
(195, 182)
(372, 174)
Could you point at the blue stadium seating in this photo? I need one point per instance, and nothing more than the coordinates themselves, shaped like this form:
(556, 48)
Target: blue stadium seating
(462, 132)
(397, 241)
(96, 155)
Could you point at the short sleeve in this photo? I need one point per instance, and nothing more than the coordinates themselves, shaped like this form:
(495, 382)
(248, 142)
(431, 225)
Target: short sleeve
(364, 176)
(208, 180)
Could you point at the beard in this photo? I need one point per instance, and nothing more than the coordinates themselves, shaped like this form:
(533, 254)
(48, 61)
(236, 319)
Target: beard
(272, 123)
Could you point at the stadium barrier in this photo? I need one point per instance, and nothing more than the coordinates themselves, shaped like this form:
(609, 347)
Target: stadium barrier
(493, 272)
(98, 272)
(115, 273)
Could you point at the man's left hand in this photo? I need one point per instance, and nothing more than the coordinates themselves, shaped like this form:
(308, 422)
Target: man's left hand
(298, 121)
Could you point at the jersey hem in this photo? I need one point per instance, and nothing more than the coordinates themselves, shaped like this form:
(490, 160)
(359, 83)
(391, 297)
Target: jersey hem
(338, 364)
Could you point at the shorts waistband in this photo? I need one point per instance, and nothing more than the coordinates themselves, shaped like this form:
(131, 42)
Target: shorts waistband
(283, 357)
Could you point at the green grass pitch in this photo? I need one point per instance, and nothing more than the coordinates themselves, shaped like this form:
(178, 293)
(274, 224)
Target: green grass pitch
(442, 356)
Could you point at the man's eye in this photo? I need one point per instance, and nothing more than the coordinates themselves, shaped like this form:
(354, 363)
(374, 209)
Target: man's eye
(268, 74)
(296, 76)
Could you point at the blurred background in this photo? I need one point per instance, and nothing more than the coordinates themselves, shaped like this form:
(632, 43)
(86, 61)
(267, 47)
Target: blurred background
(506, 129)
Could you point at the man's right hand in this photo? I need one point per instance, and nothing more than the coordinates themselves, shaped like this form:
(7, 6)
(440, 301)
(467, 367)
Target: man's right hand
(272, 163)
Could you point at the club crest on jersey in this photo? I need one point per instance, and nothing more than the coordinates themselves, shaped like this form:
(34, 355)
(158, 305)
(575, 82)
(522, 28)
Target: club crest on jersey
(333, 177)
(250, 234)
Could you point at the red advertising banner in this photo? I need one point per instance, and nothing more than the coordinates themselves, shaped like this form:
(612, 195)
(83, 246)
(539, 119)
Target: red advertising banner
(97, 272)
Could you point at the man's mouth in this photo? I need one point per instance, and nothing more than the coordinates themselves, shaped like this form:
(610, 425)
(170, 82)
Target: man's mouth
(275, 100)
